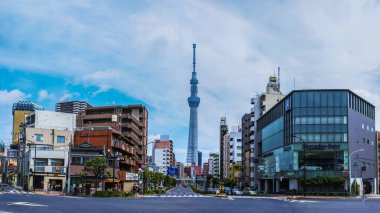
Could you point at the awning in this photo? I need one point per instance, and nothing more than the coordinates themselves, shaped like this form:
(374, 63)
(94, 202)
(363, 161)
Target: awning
(110, 180)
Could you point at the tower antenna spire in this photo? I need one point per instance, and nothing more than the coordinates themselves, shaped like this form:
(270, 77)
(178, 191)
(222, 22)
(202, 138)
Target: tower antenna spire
(194, 47)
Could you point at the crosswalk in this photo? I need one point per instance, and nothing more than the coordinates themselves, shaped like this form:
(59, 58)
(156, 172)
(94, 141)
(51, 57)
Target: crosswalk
(14, 191)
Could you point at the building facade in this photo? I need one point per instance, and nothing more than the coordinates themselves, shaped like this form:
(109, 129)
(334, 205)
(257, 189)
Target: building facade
(213, 165)
(122, 154)
(71, 106)
(193, 100)
(51, 120)
(223, 129)
(200, 159)
(19, 111)
(378, 160)
(163, 155)
(260, 105)
(131, 121)
(317, 133)
(226, 156)
(235, 145)
(205, 169)
(247, 149)
(46, 158)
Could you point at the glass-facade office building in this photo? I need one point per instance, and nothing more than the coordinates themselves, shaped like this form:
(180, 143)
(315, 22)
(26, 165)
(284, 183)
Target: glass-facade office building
(312, 133)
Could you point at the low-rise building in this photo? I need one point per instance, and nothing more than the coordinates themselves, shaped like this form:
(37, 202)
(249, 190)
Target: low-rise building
(121, 153)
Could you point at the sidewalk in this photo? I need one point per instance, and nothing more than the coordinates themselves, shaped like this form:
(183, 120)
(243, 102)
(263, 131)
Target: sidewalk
(51, 193)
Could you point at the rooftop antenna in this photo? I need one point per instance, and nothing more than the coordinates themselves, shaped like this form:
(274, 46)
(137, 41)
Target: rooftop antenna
(278, 79)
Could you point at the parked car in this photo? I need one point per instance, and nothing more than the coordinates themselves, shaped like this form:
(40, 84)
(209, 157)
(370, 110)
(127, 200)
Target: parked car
(227, 190)
(211, 191)
(249, 191)
(237, 192)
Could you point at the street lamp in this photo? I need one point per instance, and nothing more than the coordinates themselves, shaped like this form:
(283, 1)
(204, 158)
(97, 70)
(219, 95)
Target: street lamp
(349, 170)
(304, 164)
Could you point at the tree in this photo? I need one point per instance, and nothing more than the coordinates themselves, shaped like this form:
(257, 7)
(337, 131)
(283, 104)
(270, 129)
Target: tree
(95, 167)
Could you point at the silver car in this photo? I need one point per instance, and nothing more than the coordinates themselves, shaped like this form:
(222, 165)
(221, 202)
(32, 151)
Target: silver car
(237, 192)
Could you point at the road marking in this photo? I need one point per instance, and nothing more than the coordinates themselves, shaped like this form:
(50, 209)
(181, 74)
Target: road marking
(304, 201)
(25, 204)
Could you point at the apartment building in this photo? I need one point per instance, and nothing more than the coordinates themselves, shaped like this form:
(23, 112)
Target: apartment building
(131, 121)
(163, 155)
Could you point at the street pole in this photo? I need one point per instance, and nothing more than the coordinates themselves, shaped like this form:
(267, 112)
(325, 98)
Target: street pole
(68, 170)
(34, 169)
(349, 170)
(114, 162)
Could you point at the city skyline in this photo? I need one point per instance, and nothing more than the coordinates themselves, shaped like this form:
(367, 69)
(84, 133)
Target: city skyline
(55, 52)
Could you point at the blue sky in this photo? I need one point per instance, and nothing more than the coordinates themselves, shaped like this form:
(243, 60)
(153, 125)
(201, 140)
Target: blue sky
(130, 52)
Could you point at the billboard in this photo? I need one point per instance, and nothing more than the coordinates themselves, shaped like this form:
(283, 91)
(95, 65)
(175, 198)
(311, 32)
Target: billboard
(172, 170)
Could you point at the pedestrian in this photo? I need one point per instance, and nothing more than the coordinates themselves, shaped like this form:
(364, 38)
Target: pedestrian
(48, 187)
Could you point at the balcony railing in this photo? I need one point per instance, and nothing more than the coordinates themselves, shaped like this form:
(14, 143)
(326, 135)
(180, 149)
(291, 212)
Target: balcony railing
(49, 169)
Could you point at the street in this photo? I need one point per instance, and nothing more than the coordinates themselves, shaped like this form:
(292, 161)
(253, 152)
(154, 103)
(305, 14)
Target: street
(176, 201)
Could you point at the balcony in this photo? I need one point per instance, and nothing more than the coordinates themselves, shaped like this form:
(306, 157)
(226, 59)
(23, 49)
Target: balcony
(252, 128)
(253, 119)
(252, 146)
(252, 137)
(252, 100)
(253, 109)
(252, 155)
(99, 116)
(50, 169)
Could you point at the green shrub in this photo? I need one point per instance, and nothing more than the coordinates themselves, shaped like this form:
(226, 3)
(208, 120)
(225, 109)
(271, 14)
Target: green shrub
(197, 190)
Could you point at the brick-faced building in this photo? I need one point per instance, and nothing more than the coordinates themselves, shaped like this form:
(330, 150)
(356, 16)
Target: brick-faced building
(131, 121)
(117, 148)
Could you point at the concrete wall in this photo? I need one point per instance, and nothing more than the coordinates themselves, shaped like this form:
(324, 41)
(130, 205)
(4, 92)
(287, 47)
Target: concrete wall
(49, 137)
(55, 120)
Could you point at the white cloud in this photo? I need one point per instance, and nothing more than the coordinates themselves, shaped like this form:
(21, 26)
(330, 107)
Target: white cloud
(12, 96)
(44, 94)
(69, 96)
(147, 54)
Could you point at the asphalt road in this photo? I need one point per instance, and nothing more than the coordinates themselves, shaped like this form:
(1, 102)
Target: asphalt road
(25, 202)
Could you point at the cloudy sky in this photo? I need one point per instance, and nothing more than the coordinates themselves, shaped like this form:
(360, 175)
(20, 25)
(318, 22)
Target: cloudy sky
(127, 52)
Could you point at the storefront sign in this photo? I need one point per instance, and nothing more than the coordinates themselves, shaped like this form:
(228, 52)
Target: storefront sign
(321, 146)
(131, 176)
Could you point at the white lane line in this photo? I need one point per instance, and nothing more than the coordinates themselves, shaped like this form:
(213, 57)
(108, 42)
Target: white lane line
(304, 201)
(25, 204)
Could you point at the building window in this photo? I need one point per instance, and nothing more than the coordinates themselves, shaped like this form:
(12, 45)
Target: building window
(60, 139)
(362, 126)
(39, 137)
(76, 160)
